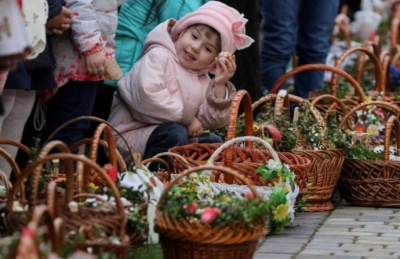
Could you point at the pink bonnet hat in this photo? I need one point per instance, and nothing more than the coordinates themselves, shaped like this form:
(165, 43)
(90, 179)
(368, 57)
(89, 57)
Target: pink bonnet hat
(226, 20)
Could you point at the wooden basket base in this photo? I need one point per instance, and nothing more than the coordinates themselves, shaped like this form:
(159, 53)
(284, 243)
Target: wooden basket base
(179, 249)
(321, 206)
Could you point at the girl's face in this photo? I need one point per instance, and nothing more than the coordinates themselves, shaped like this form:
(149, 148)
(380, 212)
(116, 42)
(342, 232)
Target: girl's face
(198, 47)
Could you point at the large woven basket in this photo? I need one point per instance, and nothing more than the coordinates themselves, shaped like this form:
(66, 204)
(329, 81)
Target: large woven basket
(244, 159)
(325, 165)
(191, 240)
(373, 183)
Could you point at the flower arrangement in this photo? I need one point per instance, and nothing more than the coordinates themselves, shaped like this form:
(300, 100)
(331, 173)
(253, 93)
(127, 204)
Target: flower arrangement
(281, 202)
(193, 200)
(196, 199)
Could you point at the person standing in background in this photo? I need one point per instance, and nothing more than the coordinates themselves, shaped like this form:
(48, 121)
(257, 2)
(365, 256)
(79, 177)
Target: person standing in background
(82, 58)
(34, 74)
(303, 27)
(247, 76)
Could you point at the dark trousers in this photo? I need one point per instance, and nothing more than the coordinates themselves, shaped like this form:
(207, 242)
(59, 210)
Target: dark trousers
(170, 135)
(72, 100)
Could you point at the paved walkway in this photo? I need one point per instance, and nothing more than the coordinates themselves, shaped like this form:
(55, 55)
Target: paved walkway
(346, 232)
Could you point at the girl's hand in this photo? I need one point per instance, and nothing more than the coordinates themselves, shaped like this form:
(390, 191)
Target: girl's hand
(226, 67)
(95, 63)
(195, 128)
(59, 23)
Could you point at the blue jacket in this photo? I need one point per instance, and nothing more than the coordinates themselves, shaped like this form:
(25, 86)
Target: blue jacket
(137, 18)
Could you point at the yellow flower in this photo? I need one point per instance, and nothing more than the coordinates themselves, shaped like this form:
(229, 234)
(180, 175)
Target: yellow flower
(225, 199)
(92, 186)
(281, 212)
(256, 127)
(367, 98)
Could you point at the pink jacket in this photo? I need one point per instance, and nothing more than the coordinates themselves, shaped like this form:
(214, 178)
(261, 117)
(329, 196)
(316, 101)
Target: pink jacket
(159, 90)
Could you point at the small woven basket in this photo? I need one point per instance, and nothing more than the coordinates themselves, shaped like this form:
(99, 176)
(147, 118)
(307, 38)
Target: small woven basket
(28, 246)
(373, 183)
(87, 220)
(183, 239)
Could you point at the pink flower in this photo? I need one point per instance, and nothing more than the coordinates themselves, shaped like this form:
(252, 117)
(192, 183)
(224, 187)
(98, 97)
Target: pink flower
(379, 113)
(274, 132)
(209, 214)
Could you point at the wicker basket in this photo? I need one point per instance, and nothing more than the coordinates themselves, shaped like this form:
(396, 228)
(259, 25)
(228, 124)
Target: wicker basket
(182, 239)
(325, 166)
(244, 159)
(86, 221)
(373, 183)
(27, 246)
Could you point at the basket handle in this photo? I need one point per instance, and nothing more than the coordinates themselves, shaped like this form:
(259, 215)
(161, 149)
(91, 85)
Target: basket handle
(103, 127)
(239, 139)
(19, 145)
(391, 107)
(91, 118)
(15, 168)
(5, 180)
(331, 98)
(372, 56)
(34, 181)
(241, 96)
(301, 68)
(188, 171)
(393, 121)
(385, 61)
(157, 158)
(104, 144)
(41, 212)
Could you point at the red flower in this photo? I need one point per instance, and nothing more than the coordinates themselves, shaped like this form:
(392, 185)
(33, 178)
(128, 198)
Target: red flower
(209, 214)
(111, 171)
(249, 195)
(192, 207)
(359, 128)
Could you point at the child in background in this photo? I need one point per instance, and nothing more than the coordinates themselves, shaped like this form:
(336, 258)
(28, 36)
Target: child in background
(82, 57)
(168, 97)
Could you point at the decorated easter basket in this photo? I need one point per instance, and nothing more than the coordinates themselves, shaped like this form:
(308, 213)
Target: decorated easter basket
(181, 238)
(80, 216)
(245, 157)
(41, 236)
(377, 182)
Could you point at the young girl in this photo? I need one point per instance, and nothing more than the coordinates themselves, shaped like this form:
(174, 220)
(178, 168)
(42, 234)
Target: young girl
(167, 97)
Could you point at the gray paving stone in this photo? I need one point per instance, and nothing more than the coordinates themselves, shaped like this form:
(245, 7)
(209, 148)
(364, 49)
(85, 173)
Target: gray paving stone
(348, 232)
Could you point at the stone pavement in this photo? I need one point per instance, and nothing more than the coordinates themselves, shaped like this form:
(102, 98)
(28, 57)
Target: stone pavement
(346, 232)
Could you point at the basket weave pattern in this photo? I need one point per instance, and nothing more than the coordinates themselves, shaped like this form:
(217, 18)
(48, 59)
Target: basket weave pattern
(373, 183)
(245, 159)
(184, 239)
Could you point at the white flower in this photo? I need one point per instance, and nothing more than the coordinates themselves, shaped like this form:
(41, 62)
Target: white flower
(73, 206)
(17, 206)
(274, 165)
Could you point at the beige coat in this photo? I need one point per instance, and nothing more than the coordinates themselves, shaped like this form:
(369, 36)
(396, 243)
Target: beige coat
(159, 90)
